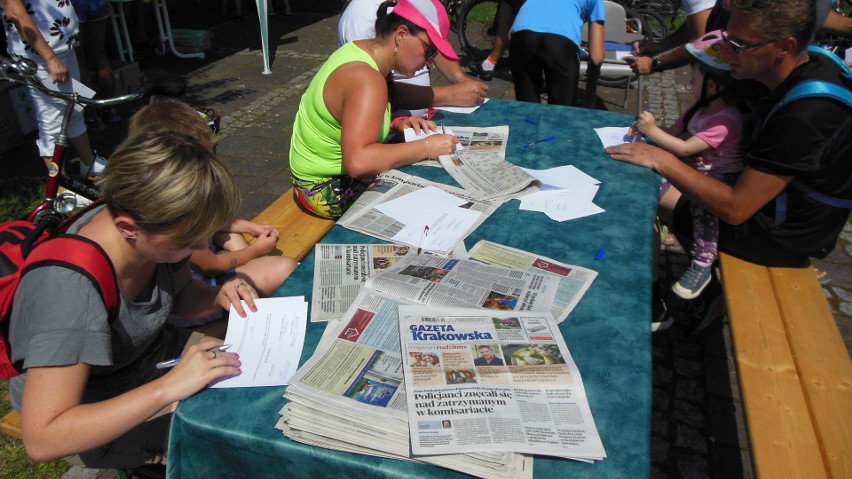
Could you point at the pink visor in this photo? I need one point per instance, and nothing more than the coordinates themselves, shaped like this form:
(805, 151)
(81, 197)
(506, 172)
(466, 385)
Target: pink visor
(430, 15)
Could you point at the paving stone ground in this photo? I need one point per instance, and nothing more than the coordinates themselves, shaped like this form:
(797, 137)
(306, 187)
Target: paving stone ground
(697, 429)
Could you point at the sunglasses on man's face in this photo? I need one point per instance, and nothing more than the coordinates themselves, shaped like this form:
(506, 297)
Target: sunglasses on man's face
(431, 51)
(738, 47)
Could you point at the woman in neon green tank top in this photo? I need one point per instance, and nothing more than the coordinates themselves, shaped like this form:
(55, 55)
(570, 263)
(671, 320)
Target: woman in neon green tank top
(331, 165)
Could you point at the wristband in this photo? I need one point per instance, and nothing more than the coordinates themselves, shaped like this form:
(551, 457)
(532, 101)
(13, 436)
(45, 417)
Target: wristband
(655, 64)
(396, 121)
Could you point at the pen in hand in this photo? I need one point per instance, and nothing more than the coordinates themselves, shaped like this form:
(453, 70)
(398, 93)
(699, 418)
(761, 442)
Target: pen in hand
(173, 362)
(443, 132)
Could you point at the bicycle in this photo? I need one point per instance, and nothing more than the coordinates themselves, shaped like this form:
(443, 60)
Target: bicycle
(55, 206)
(476, 27)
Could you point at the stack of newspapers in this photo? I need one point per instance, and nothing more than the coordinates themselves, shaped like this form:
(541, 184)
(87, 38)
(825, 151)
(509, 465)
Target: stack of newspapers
(451, 362)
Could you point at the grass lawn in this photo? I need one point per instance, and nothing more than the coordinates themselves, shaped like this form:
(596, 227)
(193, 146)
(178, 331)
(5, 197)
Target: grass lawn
(17, 197)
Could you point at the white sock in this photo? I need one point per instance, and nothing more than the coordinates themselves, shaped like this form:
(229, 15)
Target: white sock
(487, 64)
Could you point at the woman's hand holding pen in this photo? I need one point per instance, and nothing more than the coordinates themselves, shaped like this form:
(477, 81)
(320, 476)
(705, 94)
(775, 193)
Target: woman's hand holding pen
(440, 144)
(234, 290)
(200, 365)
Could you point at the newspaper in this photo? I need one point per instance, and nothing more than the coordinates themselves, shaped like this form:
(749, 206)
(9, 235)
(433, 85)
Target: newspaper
(350, 395)
(438, 281)
(493, 381)
(341, 269)
(486, 175)
(364, 217)
(574, 281)
(474, 138)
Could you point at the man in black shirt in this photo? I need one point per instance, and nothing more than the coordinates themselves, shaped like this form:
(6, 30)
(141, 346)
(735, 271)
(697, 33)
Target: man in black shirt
(769, 217)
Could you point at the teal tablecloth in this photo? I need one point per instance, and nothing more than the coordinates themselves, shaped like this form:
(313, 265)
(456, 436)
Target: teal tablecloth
(231, 433)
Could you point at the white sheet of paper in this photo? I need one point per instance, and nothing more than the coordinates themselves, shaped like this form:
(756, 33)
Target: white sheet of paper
(462, 109)
(420, 206)
(269, 341)
(616, 135)
(562, 177)
(411, 136)
(620, 54)
(445, 230)
(563, 205)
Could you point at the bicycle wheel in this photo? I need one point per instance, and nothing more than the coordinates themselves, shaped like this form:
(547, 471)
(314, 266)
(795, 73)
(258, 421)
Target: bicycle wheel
(654, 26)
(476, 29)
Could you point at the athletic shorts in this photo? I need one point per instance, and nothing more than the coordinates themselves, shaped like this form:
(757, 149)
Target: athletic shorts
(329, 197)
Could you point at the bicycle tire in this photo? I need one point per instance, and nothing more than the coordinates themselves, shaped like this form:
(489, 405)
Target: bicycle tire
(475, 28)
(654, 26)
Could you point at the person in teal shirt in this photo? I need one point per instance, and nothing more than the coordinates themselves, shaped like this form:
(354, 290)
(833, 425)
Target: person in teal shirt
(331, 165)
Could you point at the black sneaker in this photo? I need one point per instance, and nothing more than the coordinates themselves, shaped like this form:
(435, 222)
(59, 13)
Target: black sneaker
(481, 73)
(709, 311)
(661, 320)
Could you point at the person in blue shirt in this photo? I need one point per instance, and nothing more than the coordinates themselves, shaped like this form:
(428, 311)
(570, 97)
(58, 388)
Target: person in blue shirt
(546, 41)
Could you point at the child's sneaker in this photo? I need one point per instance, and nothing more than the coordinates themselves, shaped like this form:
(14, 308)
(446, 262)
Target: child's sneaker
(95, 169)
(693, 282)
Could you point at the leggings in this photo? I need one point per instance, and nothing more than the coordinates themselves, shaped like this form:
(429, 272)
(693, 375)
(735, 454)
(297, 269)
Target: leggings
(532, 54)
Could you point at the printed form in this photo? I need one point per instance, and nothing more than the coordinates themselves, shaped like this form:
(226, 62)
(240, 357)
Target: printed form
(269, 341)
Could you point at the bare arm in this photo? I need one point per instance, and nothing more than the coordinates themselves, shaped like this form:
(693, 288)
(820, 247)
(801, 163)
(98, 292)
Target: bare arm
(679, 147)
(357, 96)
(596, 42)
(837, 23)
(56, 424)
(732, 204)
(451, 70)
(194, 299)
(17, 15)
(213, 264)
(692, 29)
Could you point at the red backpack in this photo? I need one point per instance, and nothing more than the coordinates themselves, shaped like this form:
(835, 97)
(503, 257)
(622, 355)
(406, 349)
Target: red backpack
(25, 246)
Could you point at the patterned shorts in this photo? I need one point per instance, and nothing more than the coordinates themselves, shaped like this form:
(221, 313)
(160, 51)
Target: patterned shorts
(329, 197)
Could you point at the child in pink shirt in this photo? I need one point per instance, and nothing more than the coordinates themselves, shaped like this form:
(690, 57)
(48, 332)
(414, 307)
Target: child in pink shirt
(708, 135)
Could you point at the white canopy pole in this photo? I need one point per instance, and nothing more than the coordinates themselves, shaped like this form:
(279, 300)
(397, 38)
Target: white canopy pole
(264, 34)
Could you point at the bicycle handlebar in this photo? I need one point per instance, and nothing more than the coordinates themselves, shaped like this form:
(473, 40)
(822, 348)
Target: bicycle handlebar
(23, 71)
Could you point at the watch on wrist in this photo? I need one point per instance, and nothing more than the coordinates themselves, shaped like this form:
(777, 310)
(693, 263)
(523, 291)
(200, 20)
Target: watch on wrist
(655, 64)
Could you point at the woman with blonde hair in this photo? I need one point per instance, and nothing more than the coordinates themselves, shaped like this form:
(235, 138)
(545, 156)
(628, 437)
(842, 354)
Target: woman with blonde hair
(90, 385)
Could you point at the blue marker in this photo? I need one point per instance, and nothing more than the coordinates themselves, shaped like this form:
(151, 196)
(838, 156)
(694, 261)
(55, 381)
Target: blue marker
(600, 254)
(549, 138)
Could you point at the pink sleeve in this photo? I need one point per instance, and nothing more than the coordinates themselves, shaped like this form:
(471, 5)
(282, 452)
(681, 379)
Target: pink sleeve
(718, 130)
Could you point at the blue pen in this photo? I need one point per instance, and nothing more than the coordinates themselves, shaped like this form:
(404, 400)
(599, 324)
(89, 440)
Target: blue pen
(173, 362)
(530, 120)
(600, 254)
(549, 138)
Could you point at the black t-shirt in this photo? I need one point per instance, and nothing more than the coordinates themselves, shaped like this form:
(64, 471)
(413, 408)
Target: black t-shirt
(811, 140)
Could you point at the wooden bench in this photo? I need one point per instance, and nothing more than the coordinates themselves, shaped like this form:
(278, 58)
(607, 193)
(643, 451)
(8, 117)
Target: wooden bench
(299, 232)
(794, 371)
(11, 424)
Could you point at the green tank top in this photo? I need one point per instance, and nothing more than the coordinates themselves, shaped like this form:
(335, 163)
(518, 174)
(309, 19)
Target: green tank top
(315, 151)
